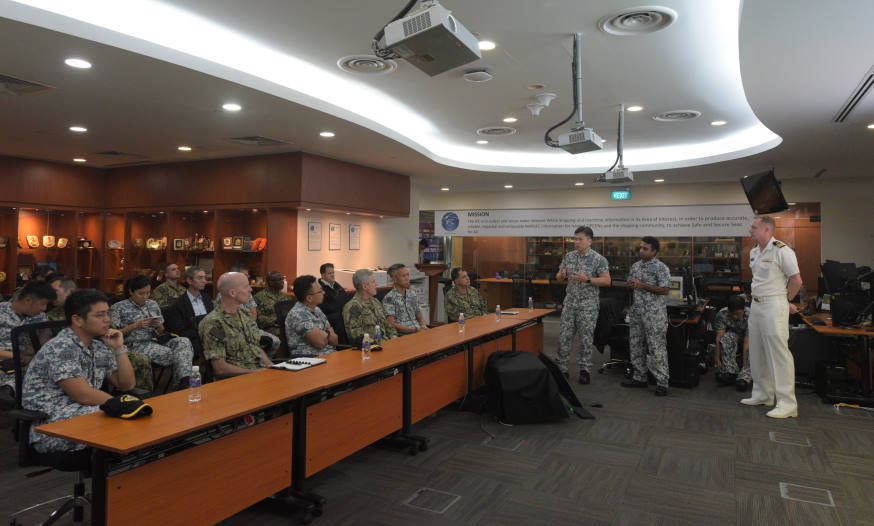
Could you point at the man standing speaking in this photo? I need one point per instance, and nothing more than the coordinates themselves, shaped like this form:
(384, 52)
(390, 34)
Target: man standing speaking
(776, 280)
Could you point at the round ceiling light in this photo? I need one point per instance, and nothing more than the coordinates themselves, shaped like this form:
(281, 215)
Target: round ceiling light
(78, 129)
(231, 106)
(482, 141)
(658, 180)
(78, 63)
(634, 108)
(184, 148)
(80, 160)
(478, 75)
(510, 120)
(327, 134)
(871, 126)
(676, 115)
(637, 20)
(444, 189)
(579, 184)
(536, 86)
(496, 131)
(718, 123)
(367, 65)
(486, 45)
(508, 186)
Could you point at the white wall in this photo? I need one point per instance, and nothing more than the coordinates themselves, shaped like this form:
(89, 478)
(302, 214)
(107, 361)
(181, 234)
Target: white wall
(383, 241)
(847, 205)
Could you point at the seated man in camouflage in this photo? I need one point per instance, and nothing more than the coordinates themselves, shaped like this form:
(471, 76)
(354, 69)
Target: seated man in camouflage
(266, 301)
(65, 377)
(229, 334)
(364, 312)
(28, 305)
(168, 292)
(64, 286)
(268, 340)
(463, 298)
(733, 342)
(306, 326)
(401, 304)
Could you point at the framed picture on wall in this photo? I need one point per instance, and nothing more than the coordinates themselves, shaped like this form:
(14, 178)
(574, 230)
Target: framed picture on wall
(314, 236)
(334, 236)
(354, 237)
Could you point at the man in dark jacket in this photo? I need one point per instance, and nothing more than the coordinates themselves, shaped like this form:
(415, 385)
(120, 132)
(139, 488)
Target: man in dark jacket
(183, 316)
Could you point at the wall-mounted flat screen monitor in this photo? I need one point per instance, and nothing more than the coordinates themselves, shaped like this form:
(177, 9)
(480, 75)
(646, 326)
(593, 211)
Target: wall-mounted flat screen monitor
(764, 193)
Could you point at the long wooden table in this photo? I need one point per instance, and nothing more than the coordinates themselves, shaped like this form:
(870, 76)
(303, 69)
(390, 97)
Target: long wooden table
(254, 435)
(864, 335)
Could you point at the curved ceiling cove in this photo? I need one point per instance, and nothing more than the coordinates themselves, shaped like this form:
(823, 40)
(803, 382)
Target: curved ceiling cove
(693, 63)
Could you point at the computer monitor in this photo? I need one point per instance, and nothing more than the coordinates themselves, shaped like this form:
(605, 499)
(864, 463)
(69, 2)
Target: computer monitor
(836, 275)
(764, 193)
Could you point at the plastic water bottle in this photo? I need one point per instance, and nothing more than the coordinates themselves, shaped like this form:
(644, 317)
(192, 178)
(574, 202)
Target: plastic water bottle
(530, 304)
(194, 383)
(460, 322)
(497, 313)
(377, 335)
(365, 347)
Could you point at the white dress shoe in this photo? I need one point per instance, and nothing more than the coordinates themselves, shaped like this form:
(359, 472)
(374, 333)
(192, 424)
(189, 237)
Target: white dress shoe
(782, 413)
(756, 401)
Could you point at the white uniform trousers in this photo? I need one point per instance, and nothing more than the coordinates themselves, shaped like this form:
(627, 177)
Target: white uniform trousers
(771, 363)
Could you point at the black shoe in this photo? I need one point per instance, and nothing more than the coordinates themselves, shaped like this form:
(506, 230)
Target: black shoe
(584, 377)
(633, 383)
(661, 391)
(7, 398)
(742, 385)
(725, 378)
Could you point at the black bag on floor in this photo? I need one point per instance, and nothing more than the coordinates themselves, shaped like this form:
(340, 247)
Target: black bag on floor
(521, 390)
(683, 360)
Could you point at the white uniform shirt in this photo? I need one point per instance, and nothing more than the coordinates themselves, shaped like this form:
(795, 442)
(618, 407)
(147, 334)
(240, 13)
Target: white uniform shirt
(772, 268)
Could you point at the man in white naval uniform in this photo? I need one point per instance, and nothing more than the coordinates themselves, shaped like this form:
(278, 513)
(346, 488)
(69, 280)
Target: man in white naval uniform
(776, 280)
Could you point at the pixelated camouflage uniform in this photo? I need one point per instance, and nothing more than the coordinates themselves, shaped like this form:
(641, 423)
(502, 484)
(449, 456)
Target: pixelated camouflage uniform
(404, 308)
(581, 306)
(8, 321)
(649, 322)
(362, 315)
(232, 337)
(299, 321)
(731, 343)
(471, 304)
(266, 301)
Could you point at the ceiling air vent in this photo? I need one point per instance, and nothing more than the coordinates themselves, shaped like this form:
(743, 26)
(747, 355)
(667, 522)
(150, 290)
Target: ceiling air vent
(676, 115)
(367, 65)
(258, 140)
(16, 87)
(496, 131)
(856, 96)
(637, 20)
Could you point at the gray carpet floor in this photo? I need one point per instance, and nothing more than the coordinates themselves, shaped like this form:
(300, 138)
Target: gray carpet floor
(695, 457)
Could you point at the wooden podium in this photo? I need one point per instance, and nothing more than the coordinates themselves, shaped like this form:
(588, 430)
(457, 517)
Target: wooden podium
(433, 272)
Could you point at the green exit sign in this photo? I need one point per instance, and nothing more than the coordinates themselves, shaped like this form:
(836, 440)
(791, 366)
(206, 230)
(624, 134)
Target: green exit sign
(620, 195)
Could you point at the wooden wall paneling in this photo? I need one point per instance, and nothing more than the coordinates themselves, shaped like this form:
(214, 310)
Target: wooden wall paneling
(282, 242)
(808, 244)
(140, 227)
(44, 184)
(335, 185)
(9, 255)
(252, 181)
(114, 261)
(89, 263)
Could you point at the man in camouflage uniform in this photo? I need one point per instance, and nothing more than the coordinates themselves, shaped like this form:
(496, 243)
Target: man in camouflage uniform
(27, 306)
(730, 325)
(141, 322)
(585, 271)
(306, 326)
(252, 307)
(63, 285)
(229, 334)
(364, 312)
(267, 299)
(168, 292)
(65, 376)
(648, 329)
(463, 298)
(401, 304)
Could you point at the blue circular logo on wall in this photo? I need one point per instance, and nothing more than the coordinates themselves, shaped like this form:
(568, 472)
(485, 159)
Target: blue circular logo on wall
(449, 221)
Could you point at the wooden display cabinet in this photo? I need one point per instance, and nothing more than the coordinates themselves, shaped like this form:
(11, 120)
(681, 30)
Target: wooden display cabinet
(114, 260)
(88, 259)
(251, 224)
(141, 227)
(8, 255)
(192, 226)
(46, 228)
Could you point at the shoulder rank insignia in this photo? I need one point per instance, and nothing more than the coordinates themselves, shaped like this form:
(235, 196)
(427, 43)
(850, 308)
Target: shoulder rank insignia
(779, 244)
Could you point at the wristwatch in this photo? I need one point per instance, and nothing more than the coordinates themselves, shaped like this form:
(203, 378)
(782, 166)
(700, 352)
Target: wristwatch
(120, 351)
(588, 280)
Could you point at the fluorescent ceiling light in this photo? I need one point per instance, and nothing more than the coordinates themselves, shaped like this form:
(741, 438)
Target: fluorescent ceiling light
(231, 106)
(486, 45)
(78, 129)
(77, 63)
(327, 134)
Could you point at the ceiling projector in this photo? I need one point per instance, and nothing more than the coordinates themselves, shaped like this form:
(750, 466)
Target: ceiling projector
(432, 40)
(618, 175)
(579, 140)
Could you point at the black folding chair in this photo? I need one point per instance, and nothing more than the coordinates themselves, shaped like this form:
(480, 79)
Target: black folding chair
(282, 308)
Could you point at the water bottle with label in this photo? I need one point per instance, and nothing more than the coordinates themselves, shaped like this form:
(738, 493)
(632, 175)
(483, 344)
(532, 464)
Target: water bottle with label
(377, 335)
(365, 347)
(460, 322)
(530, 304)
(194, 383)
(497, 313)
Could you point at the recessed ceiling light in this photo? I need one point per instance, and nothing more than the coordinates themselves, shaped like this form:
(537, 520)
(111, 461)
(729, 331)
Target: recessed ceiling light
(536, 86)
(718, 123)
(309, 209)
(508, 186)
(444, 189)
(348, 213)
(327, 134)
(206, 211)
(603, 141)
(231, 106)
(78, 129)
(871, 126)
(80, 160)
(482, 141)
(510, 119)
(254, 210)
(380, 217)
(791, 204)
(634, 108)
(658, 180)
(184, 148)
(486, 45)
(77, 63)
(579, 184)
